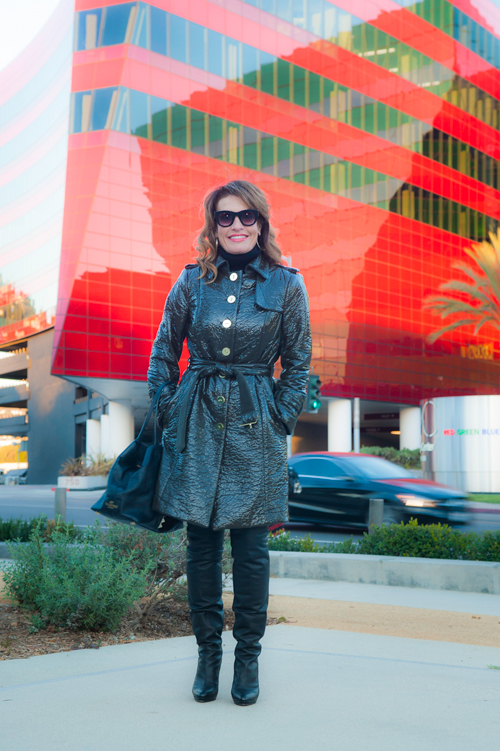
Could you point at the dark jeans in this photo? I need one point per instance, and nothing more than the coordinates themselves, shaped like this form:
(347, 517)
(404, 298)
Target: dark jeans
(250, 583)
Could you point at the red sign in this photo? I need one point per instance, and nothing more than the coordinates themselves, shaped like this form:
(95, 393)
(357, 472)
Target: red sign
(450, 431)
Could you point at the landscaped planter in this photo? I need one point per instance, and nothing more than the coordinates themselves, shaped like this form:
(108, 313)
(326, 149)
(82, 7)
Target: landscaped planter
(396, 571)
(89, 482)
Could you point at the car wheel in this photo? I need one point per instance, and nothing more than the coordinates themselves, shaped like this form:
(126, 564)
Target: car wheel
(392, 515)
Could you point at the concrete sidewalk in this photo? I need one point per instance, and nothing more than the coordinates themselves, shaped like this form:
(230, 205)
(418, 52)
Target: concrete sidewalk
(345, 691)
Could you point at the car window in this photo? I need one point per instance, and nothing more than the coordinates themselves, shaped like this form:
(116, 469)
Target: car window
(318, 467)
(376, 468)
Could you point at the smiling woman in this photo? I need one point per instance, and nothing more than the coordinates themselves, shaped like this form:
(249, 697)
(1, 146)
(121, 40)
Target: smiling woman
(242, 234)
(243, 312)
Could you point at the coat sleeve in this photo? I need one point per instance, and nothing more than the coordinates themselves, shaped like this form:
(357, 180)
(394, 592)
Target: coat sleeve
(167, 347)
(296, 346)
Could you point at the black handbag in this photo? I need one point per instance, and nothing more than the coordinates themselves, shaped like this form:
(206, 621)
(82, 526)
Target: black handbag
(129, 495)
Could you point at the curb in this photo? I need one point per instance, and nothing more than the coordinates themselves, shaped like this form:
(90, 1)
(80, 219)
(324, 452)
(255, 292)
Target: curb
(394, 571)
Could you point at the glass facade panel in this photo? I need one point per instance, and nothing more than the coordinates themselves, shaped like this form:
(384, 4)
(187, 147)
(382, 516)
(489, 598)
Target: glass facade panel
(371, 245)
(196, 131)
(222, 56)
(34, 124)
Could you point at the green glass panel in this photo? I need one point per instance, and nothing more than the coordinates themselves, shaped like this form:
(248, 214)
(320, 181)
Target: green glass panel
(267, 151)
(250, 156)
(327, 178)
(357, 117)
(369, 119)
(315, 178)
(179, 133)
(299, 86)
(159, 120)
(284, 70)
(267, 78)
(283, 149)
(314, 89)
(198, 131)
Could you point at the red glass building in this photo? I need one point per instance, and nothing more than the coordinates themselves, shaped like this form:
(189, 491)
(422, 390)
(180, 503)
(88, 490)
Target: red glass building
(374, 128)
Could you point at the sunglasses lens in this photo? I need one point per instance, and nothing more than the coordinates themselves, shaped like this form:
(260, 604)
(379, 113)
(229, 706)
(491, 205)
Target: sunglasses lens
(248, 217)
(225, 218)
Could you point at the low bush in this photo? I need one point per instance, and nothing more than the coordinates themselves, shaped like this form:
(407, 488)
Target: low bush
(162, 557)
(281, 540)
(407, 458)
(411, 539)
(93, 584)
(21, 529)
(76, 586)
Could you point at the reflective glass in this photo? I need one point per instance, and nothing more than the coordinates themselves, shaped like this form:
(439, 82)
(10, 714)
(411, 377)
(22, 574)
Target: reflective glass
(116, 23)
(178, 38)
(196, 131)
(197, 51)
(158, 30)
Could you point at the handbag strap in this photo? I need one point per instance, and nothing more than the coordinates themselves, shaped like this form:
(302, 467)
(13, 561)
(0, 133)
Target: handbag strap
(153, 406)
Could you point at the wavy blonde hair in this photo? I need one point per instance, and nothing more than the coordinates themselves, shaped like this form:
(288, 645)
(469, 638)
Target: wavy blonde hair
(254, 198)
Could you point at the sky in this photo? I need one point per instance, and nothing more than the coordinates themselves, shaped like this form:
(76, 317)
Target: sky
(20, 22)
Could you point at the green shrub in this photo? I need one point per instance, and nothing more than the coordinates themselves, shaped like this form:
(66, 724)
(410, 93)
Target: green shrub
(423, 541)
(281, 540)
(411, 539)
(407, 458)
(76, 586)
(161, 557)
(20, 529)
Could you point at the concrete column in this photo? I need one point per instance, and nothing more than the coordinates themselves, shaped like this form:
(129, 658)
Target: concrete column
(410, 427)
(121, 426)
(105, 436)
(339, 425)
(93, 442)
(356, 430)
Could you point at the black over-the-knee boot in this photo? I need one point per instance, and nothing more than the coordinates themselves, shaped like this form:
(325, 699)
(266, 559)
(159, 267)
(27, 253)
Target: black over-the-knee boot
(204, 576)
(251, 595)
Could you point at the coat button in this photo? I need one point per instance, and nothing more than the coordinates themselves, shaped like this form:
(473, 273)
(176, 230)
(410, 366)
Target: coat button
(226, 323)
(219, 426)
(233, 276)
(231, 298)
(226, 351)
(221, 399)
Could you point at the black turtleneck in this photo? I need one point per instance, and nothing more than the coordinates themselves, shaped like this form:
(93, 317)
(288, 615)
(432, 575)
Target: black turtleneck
(238, 261)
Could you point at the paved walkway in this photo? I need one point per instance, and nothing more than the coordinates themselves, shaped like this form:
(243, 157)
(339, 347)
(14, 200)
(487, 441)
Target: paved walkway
(319, 688)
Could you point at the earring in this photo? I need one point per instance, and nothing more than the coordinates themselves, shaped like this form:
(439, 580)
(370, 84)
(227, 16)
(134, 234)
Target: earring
(216, 243)
(258, 241)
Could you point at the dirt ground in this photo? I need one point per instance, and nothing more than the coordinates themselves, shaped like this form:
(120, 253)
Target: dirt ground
(387, 620)
(19, 640)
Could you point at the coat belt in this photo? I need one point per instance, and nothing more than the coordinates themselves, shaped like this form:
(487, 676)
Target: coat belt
(204, 368)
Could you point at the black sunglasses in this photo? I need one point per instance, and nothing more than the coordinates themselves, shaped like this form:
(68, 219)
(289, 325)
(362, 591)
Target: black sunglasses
(247, 217)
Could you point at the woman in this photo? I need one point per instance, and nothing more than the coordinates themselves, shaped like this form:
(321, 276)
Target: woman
(225, 425)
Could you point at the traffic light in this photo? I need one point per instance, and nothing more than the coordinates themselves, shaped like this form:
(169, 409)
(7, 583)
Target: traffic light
(313, 399)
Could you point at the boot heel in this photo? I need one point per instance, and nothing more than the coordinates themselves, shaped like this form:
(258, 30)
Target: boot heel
(245, 689)
(206, 682)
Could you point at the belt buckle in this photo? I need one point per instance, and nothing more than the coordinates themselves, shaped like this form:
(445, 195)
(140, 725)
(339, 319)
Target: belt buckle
(248, 424)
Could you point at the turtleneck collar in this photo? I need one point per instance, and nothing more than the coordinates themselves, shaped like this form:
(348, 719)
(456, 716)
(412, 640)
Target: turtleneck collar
(238, 261)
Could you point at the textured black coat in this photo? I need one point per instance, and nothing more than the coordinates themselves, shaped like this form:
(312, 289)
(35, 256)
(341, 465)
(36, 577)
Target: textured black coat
(216, 470)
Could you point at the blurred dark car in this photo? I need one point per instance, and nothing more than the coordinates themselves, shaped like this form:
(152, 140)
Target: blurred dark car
(331, 488)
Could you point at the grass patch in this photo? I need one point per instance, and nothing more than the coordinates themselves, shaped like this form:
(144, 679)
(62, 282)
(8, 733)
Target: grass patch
(485, 497)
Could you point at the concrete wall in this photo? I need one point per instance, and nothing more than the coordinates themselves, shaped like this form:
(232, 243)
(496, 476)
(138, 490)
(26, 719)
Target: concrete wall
(50, 410)
(426, 573)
